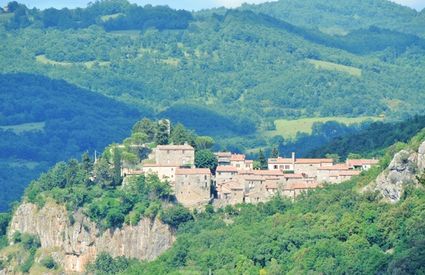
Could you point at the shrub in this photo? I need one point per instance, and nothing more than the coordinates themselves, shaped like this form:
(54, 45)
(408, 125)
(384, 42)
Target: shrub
(48, 262)
(175, 216)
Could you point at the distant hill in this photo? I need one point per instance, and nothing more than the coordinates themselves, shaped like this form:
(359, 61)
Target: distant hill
(341, 17)
(43, 121)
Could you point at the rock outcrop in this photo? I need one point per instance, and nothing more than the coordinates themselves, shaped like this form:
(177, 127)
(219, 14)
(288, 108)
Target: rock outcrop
(79, 242)
(402, 172)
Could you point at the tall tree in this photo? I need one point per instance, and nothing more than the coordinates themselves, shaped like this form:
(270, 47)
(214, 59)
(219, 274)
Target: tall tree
(275, 152)
(117, 179)
(162, 135)
(206, 159)
(262, 160)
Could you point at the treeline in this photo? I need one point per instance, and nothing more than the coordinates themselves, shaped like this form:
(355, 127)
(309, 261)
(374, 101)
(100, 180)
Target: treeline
(110, 14)
(361, 41)
(372, 139)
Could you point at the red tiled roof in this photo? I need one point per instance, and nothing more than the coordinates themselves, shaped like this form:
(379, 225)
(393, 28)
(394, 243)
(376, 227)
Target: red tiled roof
(237, 157)
(226, 169)
(175, 147)
(335, 167)
(268, 172)
(193, 171)
(300, 185)
(248, 161)
(360, 162)
(158, 165)
(349, 173)
(280, 161)
(313, 161)
(294, 176)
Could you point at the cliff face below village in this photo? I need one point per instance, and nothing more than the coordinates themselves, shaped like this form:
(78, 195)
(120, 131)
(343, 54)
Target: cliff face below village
(402, 172)
(77, 243)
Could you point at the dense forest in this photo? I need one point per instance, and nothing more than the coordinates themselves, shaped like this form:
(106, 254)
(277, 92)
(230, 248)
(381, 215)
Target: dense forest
(43, 121)
(225, 73)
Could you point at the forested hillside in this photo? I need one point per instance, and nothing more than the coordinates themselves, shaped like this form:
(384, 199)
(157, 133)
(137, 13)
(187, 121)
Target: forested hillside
(43, 121)
(341, 17)
(230, 74)
(243, 65)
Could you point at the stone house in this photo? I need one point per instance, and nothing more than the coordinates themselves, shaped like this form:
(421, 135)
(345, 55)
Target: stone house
(223, 158)
(292, 190)
(330, 173)
(175, 155)
(361, 164)
(164, 172)
(193, 186)
(298, 166)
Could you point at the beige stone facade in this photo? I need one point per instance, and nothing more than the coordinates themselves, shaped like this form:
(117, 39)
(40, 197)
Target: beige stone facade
(193, 187)
(175, 155)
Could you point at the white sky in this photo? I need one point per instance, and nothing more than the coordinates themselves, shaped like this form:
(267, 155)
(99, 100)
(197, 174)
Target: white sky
(179, 4)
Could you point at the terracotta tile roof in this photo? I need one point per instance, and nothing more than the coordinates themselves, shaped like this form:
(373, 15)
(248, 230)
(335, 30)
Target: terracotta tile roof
(237, 157)
(273, 184)
(226, 169)
(175, 147)
(280, 161)
(158, 165)
(360, 162)
(335, 167)
(193, 171)
(313, 161)
(294, 176)
(268, 172)
(249, 161)
(350, 173)
(300, 185)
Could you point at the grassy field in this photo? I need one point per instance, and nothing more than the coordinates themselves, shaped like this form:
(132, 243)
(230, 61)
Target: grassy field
(289, 128)
(89, 64)
(111, 16)
(324, 65)
(20, 128)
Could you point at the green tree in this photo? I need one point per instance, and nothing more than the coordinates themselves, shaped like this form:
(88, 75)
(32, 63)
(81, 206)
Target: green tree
(262, 160)
(206, 159)
(204, 142)
(162, 134)
(86, 162)
(103, 173)
(335, 157)
(180, 135)
(147, 127)
(117, 164)
(354, 156)
(176, 215)
(275, 153)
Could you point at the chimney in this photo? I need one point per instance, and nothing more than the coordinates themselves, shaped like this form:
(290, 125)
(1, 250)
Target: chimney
(293, 157)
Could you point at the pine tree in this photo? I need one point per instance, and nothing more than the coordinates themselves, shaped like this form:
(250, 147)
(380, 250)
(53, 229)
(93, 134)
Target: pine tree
(275, 152)
(262, 160)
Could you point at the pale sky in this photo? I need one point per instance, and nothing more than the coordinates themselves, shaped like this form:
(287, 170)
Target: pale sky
(178, 4)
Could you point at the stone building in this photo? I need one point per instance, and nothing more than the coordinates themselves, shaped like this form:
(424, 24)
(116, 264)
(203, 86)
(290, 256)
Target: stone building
(361, 164)
(193, 186)
(164, 172)
(175, 155)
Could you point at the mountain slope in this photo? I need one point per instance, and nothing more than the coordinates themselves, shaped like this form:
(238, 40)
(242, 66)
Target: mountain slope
(341, 17)
(43, 121)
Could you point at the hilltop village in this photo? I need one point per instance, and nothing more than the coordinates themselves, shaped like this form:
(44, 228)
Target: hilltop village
(236, 181)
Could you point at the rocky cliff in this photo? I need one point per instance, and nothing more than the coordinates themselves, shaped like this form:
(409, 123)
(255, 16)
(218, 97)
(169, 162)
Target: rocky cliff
(78, 243)
(402, 171)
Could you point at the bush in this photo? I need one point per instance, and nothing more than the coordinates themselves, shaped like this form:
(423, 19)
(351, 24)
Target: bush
(175, 216)
(48, 262)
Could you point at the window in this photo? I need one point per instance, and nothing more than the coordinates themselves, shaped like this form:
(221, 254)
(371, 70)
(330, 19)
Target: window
(205, 177)
(275, 167)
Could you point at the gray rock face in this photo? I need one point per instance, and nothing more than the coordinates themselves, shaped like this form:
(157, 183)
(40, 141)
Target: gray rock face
(421, 157)
(81, 241)
(401, 172)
